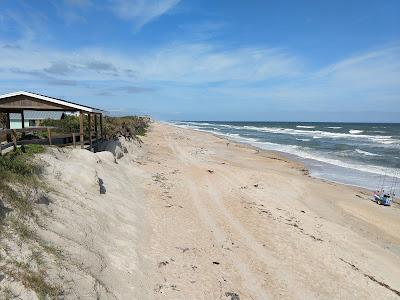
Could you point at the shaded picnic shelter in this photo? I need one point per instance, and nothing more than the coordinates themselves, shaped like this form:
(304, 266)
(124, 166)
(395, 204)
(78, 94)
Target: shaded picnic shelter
(19, 102)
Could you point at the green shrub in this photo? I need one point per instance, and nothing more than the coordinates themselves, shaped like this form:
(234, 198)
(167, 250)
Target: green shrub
(68, 124)
(19, 163)
(18, 168)
(129, 126)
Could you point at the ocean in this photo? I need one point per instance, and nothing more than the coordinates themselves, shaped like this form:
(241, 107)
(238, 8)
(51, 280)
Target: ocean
(360, 154)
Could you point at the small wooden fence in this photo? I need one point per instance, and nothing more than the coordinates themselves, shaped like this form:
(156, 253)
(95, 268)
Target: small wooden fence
(18, 137)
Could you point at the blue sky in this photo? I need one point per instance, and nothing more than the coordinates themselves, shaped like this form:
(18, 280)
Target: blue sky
(208, 60)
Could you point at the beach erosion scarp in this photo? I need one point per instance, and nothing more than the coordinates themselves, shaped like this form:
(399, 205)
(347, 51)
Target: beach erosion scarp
(189, 215)
(85, 239)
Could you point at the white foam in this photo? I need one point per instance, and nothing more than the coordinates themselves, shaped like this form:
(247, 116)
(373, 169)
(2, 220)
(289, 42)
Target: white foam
(384, 140)
(303, 126)
(304, 140)
(355, 131)
(334, 127)
(366, 153)
(307, 153)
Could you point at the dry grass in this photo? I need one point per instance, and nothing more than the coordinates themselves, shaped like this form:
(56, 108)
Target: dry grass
(19, 175)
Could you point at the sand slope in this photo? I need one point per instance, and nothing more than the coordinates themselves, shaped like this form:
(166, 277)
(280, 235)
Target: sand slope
(100, 230)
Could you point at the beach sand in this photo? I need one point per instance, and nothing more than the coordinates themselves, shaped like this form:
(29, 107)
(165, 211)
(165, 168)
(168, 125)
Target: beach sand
(228, 221)
(189, 215)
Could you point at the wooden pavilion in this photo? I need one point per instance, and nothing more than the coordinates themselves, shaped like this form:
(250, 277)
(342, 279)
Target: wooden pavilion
(21, 101)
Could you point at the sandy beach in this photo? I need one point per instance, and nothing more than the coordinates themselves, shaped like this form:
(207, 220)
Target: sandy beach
(189, 215)
(230, 221)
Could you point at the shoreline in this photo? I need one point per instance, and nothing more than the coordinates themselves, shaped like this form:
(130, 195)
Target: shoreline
(309, 164)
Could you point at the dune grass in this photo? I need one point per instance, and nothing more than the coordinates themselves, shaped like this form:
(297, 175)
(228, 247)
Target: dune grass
(19, 175)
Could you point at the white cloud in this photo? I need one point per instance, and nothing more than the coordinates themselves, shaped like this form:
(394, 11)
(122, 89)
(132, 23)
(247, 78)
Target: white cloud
(180, 64)
(142, 12)
(272, 75)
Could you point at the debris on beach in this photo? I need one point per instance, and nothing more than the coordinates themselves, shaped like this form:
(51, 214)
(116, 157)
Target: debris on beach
(102, 187)
(232, 295)
(43, 199)
(215, 262)
(163, 263)
(210, 171)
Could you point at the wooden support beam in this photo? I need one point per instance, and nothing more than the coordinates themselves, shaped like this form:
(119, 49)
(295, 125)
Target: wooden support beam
(23, 119)
(101, 126)
(90, 132)
(74, 139)
(23, 123)
(81, 129)
(95, 127)
(8, 126)
(49, 135)
(14, 138)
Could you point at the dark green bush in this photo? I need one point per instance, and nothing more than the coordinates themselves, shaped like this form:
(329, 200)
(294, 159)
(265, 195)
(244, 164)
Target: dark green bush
(128, 127)
(68, 124)
(18, 164)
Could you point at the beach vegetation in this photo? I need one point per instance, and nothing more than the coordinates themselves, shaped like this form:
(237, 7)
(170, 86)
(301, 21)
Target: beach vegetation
(20, 175)
(130, 127)
(127, 126)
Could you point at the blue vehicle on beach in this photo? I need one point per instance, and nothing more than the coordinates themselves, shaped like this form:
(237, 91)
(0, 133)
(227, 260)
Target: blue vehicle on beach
(383, 198)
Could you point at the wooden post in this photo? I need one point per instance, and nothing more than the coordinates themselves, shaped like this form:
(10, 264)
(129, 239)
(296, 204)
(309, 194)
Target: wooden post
(74, 139)
(81, 128)
(101, 126)
(8, 126)
(23, 119)
(23, 123)
(95, 127)
(14, 138)
(49, 135)
(90, 132)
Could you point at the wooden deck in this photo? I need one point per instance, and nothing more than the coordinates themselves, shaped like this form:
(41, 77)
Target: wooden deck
(10, 139)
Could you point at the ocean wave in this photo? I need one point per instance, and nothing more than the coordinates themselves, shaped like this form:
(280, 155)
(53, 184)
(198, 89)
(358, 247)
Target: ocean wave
(334, 127)
(193, 123)
(304, 140)
(384, 139)
(366, 153)
(308, 153)
(313, 155)
(355, 131)
(303, 126)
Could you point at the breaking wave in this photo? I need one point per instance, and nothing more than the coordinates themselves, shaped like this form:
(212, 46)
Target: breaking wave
(303, 126)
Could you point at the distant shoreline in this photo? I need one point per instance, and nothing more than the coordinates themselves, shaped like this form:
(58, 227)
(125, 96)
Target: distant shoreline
(356, 174)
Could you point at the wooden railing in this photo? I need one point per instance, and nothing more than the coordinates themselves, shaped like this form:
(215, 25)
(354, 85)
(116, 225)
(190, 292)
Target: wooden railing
(16, 137)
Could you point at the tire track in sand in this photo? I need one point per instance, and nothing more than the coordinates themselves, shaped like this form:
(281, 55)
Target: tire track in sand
(250, 280)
